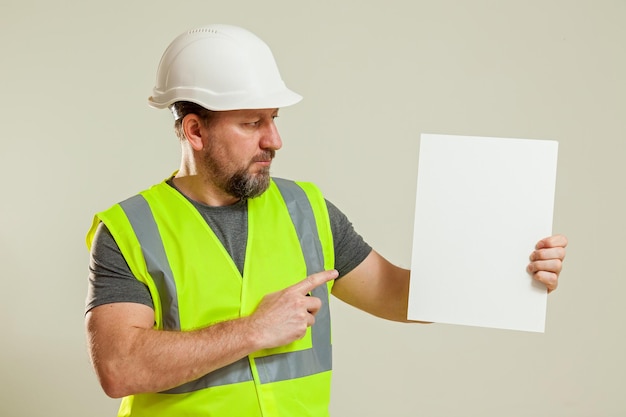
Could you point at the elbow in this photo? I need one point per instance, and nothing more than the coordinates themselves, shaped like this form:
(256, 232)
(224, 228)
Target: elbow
(114, 390)
(114, 382)
(114, 350)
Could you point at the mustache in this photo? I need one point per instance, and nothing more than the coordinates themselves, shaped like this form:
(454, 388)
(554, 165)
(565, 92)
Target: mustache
(265, 156)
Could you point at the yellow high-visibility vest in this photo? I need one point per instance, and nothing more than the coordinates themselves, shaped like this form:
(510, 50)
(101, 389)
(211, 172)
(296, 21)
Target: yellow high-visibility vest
(195, 283)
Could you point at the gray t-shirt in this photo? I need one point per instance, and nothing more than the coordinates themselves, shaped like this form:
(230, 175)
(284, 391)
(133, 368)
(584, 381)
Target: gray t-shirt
(111, 281)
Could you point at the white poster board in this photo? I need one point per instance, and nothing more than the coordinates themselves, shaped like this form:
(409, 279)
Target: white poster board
(481, 206)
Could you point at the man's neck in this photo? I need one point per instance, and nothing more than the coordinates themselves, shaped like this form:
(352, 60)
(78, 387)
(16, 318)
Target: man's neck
(196, 188)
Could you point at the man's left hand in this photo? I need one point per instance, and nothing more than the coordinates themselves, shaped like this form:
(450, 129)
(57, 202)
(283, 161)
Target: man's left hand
(546, 261)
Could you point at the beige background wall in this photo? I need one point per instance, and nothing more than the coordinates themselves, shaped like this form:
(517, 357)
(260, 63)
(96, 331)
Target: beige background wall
(77, 136)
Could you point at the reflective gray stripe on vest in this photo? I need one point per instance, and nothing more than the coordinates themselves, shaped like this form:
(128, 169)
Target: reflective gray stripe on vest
(271, 368)
(142, 221)
(230, 374)
(317, 359)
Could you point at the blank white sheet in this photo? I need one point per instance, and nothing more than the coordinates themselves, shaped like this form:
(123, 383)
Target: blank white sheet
(481, 206)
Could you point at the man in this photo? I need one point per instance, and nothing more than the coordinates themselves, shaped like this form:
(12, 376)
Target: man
(209, 292)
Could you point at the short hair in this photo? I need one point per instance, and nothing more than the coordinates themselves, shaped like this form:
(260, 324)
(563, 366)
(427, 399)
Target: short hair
(180, 109)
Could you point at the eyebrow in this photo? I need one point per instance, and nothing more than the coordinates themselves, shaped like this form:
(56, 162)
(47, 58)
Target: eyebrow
(259, 112)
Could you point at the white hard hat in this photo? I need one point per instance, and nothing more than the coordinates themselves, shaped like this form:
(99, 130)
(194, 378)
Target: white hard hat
(220, 67)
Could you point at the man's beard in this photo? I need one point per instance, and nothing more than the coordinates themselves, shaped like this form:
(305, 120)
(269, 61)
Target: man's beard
(244, 185)
(241, 184)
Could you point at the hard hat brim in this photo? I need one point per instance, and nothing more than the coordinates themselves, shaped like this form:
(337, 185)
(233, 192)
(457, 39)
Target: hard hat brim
(278, 99)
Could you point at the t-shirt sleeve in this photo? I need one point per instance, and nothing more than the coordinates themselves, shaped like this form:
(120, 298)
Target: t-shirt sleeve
(350, 248)
(110, 278)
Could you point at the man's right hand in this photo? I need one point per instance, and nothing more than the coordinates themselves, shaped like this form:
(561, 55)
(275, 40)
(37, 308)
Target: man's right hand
(284, 316)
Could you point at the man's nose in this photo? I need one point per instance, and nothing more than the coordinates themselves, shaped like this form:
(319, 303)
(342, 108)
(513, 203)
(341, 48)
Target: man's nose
(271, 138)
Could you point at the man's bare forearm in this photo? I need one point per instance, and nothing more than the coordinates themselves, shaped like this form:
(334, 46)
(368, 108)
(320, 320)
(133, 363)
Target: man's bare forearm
(131, 358)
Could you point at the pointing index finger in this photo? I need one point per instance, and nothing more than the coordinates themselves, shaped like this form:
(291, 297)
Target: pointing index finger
(315, 280)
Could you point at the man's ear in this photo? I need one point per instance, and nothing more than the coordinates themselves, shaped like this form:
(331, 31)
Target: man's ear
(192, 127)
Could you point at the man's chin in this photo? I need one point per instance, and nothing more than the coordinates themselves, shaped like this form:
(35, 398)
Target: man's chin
(250, 185)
